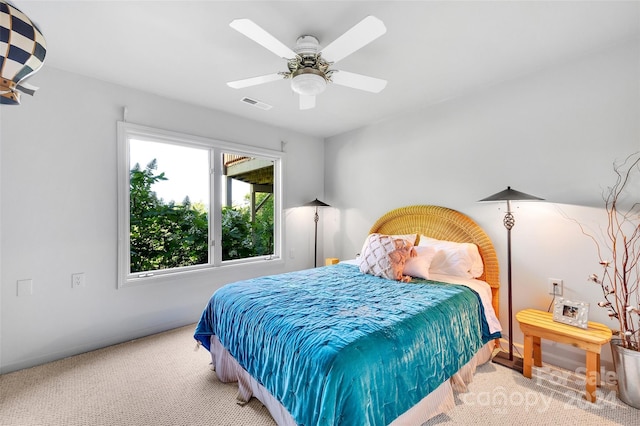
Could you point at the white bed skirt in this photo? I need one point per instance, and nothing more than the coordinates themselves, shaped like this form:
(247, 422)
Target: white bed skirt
(439, 401)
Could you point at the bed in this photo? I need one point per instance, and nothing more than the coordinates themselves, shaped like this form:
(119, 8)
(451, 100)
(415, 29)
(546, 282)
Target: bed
(334, 345)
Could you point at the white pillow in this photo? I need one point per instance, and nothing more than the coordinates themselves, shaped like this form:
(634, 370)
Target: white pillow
(458, 259)
(418, 266)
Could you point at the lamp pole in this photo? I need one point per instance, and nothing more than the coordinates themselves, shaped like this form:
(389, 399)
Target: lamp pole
(315, 239)
(508, 222)
(316, 203)
(508, 195)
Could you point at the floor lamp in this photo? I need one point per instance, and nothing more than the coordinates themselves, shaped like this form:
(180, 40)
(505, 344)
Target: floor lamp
(507, 359)
(316, 203)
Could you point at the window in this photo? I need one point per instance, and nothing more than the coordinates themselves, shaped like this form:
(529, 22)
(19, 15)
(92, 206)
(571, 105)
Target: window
(187, 203)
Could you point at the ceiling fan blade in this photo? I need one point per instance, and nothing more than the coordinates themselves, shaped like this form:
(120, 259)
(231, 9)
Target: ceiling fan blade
(252, 30)
(361, 34)
(254, 81)
(358, 81)
(307, 101)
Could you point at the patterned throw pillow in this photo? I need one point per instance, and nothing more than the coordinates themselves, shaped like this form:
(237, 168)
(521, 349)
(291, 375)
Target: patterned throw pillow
(385, 256)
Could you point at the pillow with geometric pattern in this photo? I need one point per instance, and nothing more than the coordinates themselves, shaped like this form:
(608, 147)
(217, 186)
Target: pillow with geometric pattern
(385, 256)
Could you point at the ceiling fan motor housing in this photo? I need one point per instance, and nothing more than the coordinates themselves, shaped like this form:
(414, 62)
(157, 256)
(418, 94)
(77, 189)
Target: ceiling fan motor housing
(307, 46)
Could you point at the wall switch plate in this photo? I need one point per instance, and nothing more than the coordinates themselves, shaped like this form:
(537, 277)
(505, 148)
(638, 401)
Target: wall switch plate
(77, 280)
(555, 286)
(25, 288)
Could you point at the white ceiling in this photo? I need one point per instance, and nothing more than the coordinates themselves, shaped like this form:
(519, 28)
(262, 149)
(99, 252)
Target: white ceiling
(432, 51)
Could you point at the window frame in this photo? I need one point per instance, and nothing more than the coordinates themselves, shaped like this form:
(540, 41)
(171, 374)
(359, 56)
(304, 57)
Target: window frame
(127, 131)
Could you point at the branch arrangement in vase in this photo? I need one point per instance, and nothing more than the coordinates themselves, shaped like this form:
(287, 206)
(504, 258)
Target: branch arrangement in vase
(620, 279)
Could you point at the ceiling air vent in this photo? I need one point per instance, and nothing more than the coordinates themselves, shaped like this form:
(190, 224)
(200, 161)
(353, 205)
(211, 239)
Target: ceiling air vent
(256, 103)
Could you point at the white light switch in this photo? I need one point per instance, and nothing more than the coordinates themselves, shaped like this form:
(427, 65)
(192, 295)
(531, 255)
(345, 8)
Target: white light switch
(25, 288)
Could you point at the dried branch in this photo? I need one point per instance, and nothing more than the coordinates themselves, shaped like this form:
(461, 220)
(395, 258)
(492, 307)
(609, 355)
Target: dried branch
(620, 280)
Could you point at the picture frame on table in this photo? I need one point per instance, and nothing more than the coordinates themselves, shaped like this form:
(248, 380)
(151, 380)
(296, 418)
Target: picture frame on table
(573, 313)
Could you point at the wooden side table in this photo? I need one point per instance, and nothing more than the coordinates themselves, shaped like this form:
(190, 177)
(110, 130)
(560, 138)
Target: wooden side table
(331, 261)
(538, 325)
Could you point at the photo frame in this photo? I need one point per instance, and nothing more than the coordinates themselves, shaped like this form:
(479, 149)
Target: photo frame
(571, 312)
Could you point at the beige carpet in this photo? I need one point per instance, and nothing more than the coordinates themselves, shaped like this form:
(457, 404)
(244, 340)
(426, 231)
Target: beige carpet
(160, 380)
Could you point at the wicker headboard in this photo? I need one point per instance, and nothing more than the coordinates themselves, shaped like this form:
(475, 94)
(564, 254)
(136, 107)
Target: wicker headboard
(445, 224)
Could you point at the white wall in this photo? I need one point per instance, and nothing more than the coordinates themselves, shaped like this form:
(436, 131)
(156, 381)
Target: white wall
(58, 211)
(554, 134)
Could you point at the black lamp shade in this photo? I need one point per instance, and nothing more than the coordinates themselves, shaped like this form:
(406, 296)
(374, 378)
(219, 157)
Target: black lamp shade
(316, 203)
(510, 195)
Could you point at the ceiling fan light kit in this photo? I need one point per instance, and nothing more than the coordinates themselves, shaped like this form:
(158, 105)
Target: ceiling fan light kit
(308, 82)
(308, 70)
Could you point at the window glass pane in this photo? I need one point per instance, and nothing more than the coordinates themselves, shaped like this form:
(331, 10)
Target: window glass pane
(168, 185)
(248, 207)
(169, 206)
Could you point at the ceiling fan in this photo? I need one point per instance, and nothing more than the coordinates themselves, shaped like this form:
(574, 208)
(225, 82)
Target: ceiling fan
(309, 66)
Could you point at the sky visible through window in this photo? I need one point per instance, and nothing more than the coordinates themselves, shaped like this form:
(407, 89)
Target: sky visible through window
(186, 170)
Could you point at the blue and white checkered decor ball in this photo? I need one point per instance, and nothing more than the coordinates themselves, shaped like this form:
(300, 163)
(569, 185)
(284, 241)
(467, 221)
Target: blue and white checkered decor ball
(22, 52)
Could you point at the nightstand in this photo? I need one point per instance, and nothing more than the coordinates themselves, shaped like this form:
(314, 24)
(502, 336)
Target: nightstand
(538, 325)
(331, 261)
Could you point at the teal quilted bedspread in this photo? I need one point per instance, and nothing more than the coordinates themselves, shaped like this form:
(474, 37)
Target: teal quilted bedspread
(338, 347)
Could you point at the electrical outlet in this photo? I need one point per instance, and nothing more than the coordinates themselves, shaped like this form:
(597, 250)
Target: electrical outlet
(77, 280)
(555, 286)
